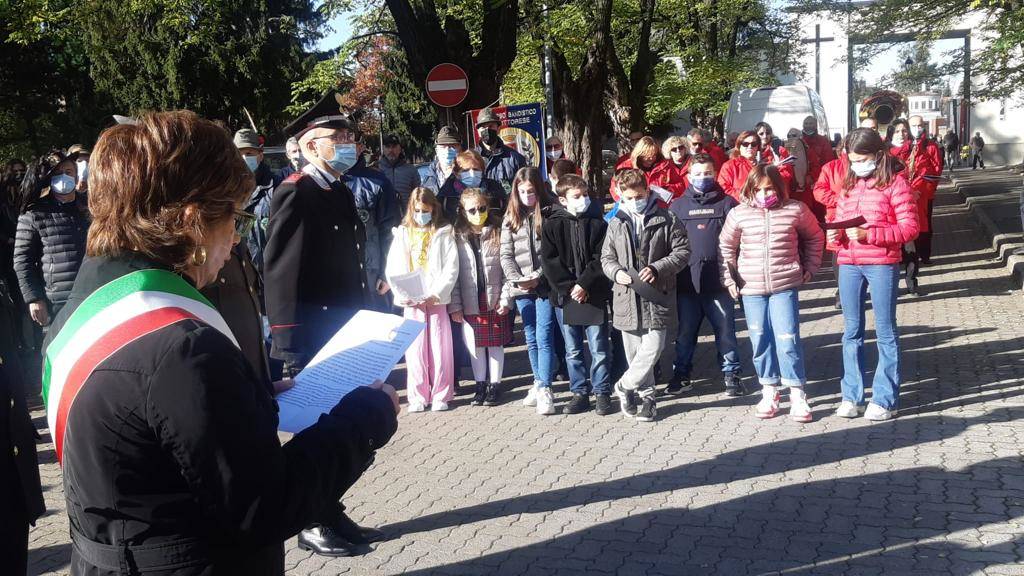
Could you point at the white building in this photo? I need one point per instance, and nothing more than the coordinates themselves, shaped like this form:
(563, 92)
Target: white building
(826, 70)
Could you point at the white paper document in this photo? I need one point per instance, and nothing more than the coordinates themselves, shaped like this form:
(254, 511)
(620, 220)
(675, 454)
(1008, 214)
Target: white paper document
(365, 349)
(411, 285)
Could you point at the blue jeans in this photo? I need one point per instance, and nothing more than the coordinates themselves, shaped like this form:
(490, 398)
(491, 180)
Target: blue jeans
(884, 282)
(597, 338)
(773, 322)
(538, 326)
(720, 310)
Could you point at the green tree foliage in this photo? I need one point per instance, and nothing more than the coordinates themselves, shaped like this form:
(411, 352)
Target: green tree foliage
(920, 74)
(997, 58)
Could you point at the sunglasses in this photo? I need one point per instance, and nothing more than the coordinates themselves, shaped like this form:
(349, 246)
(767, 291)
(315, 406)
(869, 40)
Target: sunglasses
(244, 222)
(680, 149)
(748, 144)
(477, 210)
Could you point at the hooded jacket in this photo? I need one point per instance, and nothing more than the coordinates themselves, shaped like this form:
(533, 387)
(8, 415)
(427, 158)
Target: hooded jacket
(570, 249)
(501, 164)
(660, 244)
(924, 169)
(702, 215)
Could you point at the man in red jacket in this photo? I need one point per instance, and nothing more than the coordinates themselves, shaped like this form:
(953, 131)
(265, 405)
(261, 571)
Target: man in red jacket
(929, 180)
(701, 143)
(819, 143)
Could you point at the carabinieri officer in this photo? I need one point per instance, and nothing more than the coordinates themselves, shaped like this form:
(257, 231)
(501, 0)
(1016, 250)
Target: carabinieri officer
(314, 274)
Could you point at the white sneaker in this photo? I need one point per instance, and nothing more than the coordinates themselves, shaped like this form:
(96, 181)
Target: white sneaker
(799, 409)
(545, 402)
(768, 407)
(531, 396)
(848, 409)
(439, 407)
(878, 414)
(416, 407)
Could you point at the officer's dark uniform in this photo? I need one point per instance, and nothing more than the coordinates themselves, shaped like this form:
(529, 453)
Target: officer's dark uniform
(315, 281)
(314, 272)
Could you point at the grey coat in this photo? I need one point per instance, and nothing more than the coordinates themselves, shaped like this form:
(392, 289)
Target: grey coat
(520, 258)
(402, 175)
(465, 296)
(663, 246)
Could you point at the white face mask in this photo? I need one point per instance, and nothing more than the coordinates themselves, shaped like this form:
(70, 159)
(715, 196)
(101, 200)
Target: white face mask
(555, 154)
(637, 205)
(529, 199)
(83, 170)
(62, 184)
(863, 169)
(578, 206)
(916, 131)
(897, 140)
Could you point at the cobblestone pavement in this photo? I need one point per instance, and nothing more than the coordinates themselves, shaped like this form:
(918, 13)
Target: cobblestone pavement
(709, 489)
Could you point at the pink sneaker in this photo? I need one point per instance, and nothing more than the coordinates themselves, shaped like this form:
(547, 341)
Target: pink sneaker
(768, 407)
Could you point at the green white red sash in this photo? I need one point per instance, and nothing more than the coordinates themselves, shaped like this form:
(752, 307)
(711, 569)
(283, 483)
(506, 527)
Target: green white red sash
(115, 315)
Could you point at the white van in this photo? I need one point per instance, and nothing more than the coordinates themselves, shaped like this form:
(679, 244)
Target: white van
(782, 107)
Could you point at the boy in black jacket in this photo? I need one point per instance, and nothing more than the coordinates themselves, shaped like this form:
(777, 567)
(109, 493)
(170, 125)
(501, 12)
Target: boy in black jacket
(571, 240)
(702, 210)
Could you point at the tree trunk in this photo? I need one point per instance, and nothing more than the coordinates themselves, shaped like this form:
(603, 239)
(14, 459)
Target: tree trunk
(628, 93)
(579, 102)
(427, 44)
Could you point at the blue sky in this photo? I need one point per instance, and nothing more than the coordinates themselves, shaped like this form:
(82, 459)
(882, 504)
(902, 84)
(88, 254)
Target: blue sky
(341, 30)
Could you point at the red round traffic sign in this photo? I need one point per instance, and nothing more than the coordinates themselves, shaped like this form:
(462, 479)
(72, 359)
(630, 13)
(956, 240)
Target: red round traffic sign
(447, 85)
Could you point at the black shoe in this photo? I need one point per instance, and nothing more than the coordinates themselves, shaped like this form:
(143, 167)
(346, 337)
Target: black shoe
(354, 533)
(627, 400)
(579, 403)
(648, 410)
(604, 404)
(678, 385)
(734, 385)
(325, 541)
(481, 393)
(492, 394)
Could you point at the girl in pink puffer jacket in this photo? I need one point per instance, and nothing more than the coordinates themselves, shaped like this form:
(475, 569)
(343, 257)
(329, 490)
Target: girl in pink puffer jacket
(769, 246)
(869, 256)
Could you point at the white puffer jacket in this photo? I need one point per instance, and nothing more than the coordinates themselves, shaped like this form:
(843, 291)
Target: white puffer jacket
(442, 263)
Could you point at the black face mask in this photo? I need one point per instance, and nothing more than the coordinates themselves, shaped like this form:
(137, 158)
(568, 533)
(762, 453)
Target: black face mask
(489, 136)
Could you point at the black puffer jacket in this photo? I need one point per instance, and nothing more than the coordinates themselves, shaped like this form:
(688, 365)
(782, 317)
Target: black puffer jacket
(48, 249)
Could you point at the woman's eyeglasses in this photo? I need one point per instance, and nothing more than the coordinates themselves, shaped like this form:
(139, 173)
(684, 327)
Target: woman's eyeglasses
(748, 144)
(475, 210)
(244, 222)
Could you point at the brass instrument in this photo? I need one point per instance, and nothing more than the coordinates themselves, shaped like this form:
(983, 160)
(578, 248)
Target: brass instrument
(884, 106)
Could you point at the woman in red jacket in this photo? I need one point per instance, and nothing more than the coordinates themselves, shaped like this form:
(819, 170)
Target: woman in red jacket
(674, 174)
(923, 173)
(647, 158)
(733, 174)
(869, 256)
(826, 193)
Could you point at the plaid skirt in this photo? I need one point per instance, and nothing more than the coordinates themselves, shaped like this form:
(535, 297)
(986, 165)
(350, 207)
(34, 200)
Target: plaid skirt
(490, 328)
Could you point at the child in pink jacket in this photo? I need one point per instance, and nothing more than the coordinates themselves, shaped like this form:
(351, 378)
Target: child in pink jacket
(769, 246)
(869, 256)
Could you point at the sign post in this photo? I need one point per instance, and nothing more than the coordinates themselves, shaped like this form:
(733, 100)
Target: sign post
(447, 85)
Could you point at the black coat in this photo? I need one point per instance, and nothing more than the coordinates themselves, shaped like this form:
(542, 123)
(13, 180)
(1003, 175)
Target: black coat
(570, 249)
(21, 496)
(172, 443)
(236, 295)
(49, 249)
(451, 194)
(703, 216)
(314, 262)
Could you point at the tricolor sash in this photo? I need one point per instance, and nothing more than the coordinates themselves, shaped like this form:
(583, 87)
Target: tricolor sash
(115, 315)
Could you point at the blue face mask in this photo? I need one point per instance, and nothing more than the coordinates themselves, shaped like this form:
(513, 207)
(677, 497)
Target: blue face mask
(471, 178)
(422, 218)
(636, 205)
(703, 184)
(62, 184)
(252, 162)
(345, 157)
(446, 155)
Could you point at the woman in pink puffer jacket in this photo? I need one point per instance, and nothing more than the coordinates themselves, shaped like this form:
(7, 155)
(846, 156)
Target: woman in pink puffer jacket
(869, 256)
(769, 246)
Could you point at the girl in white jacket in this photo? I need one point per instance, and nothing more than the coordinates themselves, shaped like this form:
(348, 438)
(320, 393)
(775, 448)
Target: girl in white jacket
(425, 243)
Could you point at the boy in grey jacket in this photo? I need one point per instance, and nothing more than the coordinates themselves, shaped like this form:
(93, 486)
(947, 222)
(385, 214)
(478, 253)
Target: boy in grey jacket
(644, 243)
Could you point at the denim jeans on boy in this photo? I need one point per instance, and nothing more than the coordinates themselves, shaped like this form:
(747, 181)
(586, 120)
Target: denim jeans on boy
(884, 282)
(773, 322)
(597, 338)
(539, 327)
(720, 310)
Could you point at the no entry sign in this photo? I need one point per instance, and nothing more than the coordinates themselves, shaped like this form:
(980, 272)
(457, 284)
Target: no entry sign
(447, 85)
